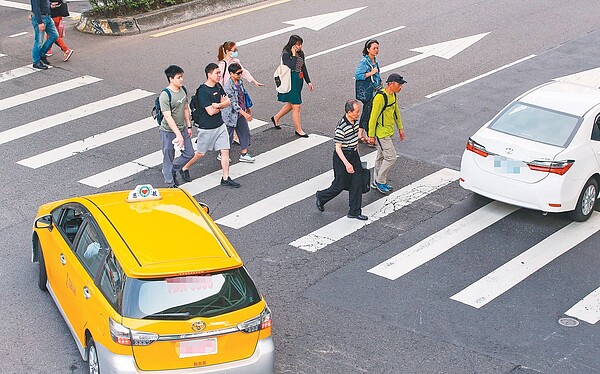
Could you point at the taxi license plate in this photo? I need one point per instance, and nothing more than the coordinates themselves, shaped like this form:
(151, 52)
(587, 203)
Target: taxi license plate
(201, 347)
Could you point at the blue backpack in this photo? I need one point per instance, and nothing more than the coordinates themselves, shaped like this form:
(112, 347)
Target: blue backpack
(156, 112)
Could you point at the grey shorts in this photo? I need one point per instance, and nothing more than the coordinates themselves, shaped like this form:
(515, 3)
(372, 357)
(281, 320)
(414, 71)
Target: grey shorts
(212, 139)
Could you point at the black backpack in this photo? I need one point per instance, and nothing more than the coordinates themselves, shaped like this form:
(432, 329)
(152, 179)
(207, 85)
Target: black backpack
(385, 105)
(194, 112)
(156, 112)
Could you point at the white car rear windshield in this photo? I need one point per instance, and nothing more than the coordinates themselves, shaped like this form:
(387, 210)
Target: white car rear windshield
(182, 298)
(538, 124)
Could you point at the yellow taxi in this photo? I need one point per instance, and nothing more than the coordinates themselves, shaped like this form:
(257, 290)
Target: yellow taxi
(148, 283)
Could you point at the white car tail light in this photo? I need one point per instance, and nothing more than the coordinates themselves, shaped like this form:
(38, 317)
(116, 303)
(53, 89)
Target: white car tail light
(477, 148)
(556, 167)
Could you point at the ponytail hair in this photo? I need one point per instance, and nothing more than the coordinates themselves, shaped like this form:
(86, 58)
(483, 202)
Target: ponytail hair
(223, 48)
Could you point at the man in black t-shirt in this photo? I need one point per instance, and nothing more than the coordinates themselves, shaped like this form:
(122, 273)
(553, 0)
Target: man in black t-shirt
(212, 132)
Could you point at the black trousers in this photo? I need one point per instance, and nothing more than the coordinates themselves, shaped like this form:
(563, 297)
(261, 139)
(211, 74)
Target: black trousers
(363, 122)
(342, 180)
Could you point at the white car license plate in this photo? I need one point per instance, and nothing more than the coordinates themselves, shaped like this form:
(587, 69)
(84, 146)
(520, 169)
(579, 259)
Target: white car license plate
(201, 347)
(505, 165)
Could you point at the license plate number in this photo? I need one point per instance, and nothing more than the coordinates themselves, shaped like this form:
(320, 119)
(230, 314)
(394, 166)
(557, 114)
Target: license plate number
(201, 347)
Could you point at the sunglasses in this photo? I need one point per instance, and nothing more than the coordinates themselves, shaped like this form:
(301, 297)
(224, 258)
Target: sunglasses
(238, 72)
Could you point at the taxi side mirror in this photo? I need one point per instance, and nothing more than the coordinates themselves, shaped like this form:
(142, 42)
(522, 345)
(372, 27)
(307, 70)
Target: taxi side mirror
(204, 207)
(44, 222)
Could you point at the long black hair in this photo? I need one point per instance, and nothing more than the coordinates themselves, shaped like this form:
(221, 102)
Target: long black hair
(294, 39)
(368, 45)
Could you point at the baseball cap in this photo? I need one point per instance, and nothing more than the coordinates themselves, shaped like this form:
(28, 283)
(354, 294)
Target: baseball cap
(395, 78)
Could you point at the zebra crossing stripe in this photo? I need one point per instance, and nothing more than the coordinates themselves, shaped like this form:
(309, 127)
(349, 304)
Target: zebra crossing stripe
(274, 203)
(516, 270)
(138, 165)
(16, 73)
(71, 115)
(345, 226)
(440, 242)
(46, 91)
(263, 160)
(588, 309)
(92, 142)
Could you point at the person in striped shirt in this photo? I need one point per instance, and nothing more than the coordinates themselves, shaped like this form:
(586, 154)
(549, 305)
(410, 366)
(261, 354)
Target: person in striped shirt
(347, 169)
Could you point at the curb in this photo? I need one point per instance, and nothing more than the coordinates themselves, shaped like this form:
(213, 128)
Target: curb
(157, 19)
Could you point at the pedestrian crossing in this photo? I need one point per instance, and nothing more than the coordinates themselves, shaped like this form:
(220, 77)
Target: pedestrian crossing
(478, 295)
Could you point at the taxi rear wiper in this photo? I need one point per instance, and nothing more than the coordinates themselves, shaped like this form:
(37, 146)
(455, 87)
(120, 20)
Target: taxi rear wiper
(167, 315)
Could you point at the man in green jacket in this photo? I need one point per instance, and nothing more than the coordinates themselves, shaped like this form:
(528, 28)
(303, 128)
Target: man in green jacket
(385, 115)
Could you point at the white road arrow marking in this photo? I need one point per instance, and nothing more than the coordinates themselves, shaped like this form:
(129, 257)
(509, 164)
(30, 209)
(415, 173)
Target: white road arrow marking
(315, 23)
(445, 50)
(588, 78)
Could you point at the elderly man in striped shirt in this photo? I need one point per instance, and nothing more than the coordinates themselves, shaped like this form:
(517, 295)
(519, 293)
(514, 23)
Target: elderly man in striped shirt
(347, 169)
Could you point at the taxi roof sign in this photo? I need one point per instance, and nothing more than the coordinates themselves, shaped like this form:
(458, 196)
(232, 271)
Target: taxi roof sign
(143, 192)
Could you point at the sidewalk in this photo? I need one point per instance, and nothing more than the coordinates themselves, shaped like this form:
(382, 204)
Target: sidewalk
(157, 19)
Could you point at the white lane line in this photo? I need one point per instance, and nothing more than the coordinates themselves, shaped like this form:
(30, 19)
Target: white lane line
(588, 308)
(2, 55)
(84, 145)
(479, 77)
(16, 73)
(15, 5)
(345, 226)
(22, 6)
(47, 91)
(440, 242)
(355, 42)
(18, 34)
(516, 270)
(263, 160)
(70, 115)
(138, 165)
(274, 203)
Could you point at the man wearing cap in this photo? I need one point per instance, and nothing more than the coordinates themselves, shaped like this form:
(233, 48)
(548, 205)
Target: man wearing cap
(385, 114)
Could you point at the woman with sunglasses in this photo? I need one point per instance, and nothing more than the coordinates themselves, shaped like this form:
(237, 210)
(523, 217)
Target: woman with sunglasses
(368, 82)
(293, 57)
(237, 115)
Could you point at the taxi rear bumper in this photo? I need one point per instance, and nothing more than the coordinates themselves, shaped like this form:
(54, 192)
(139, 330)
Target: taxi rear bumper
(261, 362)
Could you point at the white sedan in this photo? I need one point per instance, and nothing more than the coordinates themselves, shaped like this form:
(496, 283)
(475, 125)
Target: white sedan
(540, 152)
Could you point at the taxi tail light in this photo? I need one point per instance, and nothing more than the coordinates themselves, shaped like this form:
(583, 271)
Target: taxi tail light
(124, 336)
(556, 167)
(263, 321)
(477, 148)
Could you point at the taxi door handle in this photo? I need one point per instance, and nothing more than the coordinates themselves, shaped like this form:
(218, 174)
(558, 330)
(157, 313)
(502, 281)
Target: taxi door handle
(86, 292)
(63, 260)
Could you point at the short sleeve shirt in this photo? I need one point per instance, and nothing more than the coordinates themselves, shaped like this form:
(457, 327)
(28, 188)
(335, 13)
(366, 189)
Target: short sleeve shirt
(346, 133)
(206, 96)
(176, 107)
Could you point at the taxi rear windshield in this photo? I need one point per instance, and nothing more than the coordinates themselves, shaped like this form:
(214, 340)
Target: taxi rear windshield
(181, 298)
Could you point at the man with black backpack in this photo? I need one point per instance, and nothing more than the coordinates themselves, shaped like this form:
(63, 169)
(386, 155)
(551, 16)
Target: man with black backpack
(385, 115)
(175, 126)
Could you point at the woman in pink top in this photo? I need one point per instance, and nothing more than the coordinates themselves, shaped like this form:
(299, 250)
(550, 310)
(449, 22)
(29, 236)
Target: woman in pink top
(228, 53)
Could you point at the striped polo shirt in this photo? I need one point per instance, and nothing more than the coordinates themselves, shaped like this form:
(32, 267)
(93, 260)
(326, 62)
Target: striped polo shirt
(346, 133)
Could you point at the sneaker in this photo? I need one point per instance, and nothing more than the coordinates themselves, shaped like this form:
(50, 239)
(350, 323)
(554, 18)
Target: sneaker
(49, 53)
(388, 186)
(185, 175)
(45, 61)
(382, 188)
(219, 157)
(374, 185)
(67, 54)
(229, 183)
(246, 158)
(40, 65)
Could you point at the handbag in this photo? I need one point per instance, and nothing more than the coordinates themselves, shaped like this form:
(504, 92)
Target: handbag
(364, 90)
(283, 78)
(247, 99)
(366, 178)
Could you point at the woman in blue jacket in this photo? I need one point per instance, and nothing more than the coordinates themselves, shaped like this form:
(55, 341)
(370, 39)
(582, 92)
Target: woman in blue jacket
(369, 80)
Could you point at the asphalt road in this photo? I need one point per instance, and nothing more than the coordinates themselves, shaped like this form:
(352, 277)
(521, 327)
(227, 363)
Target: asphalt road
(331, 315)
